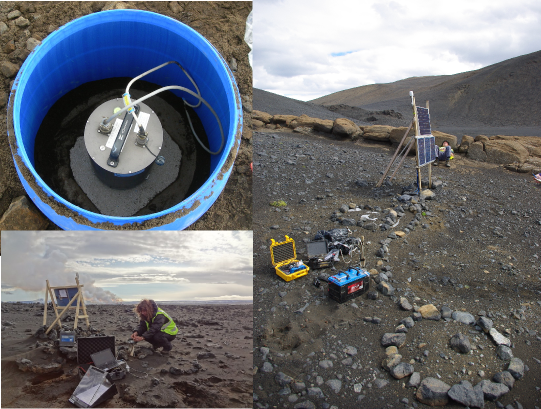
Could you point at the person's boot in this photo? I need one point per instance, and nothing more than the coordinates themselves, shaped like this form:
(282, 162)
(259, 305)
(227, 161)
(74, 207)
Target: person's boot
(447, 163)
(436, 162)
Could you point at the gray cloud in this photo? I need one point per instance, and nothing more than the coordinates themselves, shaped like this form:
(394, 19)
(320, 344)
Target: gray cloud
(392, 40)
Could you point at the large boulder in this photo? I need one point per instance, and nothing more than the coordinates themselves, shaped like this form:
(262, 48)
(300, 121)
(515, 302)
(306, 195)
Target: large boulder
(261, 116)
(396, 135)
(442, 136)
(465, 143)
(345, 128)
(23, 215)
(503, 152)
(283, 119)
(321, 125)
(476, 151)
(377, 132)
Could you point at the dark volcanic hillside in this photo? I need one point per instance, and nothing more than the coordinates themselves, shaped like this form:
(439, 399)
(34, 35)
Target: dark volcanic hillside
(500, 95)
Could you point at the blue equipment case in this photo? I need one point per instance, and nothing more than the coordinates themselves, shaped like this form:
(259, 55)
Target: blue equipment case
(348, 284)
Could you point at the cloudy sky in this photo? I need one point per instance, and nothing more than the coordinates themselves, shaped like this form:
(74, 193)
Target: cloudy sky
(307, 49)
(166, 266)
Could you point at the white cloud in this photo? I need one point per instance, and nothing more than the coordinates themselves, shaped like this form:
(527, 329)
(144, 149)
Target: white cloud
(296, 42)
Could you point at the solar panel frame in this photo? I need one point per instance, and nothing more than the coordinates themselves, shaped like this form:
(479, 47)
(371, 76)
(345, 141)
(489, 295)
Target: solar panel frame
(423, 117)
(426, 148)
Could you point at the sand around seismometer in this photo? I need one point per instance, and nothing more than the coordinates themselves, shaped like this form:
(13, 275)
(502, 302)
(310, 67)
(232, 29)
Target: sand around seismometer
(210, 364)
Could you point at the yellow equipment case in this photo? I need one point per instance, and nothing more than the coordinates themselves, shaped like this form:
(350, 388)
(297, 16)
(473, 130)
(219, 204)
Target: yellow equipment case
(283, 256)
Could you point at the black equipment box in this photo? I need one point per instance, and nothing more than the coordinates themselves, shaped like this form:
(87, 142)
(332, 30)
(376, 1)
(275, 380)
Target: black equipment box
(348, 284)
(87, 346)
(316, 251)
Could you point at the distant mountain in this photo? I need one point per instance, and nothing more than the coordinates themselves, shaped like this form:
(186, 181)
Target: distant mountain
(500, 95)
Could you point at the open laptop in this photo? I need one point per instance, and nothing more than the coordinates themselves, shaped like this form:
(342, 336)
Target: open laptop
(105, 360)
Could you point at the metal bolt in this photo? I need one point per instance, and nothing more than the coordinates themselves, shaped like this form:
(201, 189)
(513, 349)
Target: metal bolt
(102, 148)
(111, 163)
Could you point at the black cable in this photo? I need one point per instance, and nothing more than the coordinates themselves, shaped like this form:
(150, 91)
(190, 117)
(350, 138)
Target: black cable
(150, 151)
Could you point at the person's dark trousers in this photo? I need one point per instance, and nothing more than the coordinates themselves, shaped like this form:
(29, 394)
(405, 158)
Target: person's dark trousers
(161, 339)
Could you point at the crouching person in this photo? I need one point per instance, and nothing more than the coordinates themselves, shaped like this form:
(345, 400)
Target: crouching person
(444, 153)
(155, 327)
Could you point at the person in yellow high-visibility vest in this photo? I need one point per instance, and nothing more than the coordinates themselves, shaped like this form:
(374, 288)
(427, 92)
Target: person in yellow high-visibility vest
(155, 327)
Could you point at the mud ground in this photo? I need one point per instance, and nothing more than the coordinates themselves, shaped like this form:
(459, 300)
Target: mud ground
(222, 23)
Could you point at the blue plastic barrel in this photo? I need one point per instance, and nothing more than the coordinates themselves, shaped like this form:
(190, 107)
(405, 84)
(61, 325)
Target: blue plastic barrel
(123, 43)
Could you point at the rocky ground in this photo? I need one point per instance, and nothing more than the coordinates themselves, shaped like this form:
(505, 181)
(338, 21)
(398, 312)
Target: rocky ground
(23, 25)
(209, 366)
(458, 261)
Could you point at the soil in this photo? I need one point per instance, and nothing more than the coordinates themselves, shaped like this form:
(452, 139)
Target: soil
(222, 23)
(224, 380)
(475, 249)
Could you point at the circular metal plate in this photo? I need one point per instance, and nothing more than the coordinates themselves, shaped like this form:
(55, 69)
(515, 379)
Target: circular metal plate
(133, 159)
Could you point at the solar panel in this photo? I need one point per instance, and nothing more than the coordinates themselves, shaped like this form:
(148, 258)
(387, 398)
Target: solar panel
(424, 121)
(426, 146)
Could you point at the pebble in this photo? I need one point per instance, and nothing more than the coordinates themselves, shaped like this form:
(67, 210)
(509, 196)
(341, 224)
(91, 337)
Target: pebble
(326, 364)
(3, 28)
(22, 22)
(14, 14)
(32, 43)
(8, 69)
(334, 384)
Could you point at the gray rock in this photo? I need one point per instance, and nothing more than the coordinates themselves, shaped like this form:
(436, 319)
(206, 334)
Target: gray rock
(492, 390)
(14, 14)
(267, 367)
(498, 338)
(405, 304)
(325, 364)
(516, 368)
(408, 322)
(8, 69)
(396, 339)
(485, 324)
(351, 350)
(463, 317)
(334, 384)
(299, 386)
(402, 370)
(372, 295)
(464, 393)
(417, 316)
(504, 377)
(446, 312)
(22, 22)
(315, 393)
(305, 405)
(433, 392)
(3, 28)
(460, 343)
(415, 380)
(503, 352)
(205, 355)
(370, 226)
(282, 379)
(348, 222)
(32, 43)
(70, 352)
(344, 208)
(380, 383)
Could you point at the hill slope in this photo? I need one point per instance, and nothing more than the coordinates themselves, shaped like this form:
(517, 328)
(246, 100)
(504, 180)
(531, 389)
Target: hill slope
(502, 94)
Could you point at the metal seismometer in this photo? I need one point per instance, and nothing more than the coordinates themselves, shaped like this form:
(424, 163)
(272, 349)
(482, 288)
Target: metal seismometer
(122, 150)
